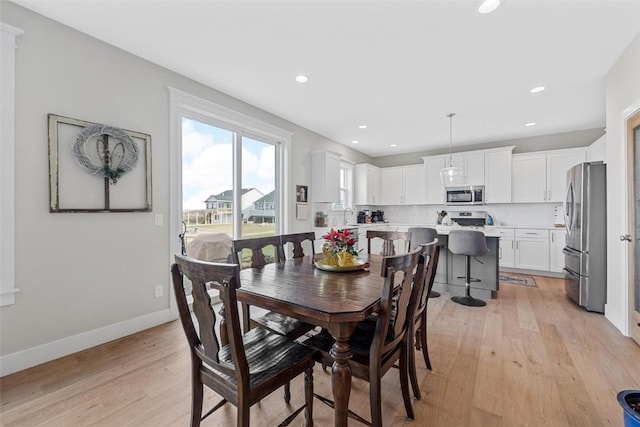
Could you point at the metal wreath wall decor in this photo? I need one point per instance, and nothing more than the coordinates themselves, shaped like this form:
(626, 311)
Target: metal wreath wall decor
(97, 168)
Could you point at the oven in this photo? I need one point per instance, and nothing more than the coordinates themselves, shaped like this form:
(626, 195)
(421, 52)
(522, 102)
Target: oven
(471, 195)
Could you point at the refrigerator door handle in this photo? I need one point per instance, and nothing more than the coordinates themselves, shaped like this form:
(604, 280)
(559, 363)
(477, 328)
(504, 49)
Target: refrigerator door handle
(570, 272)
(569, 251)
(568, 208)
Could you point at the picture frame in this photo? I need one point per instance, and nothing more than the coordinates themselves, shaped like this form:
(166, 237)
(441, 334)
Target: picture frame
(302, 194)
(97, 168)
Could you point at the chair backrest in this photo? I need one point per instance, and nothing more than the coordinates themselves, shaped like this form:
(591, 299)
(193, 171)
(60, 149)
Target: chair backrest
(205, 344)
(388, 248)
(468, 242)
(421, 236)
(394, 319)
(264, 250)
(296, 240)
(426, 276)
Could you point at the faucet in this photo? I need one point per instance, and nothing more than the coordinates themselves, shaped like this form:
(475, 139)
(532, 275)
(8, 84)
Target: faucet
(350, 211)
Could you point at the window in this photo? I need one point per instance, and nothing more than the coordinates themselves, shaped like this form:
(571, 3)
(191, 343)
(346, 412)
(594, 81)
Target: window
(226, 165)
(346, 187)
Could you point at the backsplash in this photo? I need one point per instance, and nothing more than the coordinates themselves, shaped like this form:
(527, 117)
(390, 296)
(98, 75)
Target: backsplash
(540, 214)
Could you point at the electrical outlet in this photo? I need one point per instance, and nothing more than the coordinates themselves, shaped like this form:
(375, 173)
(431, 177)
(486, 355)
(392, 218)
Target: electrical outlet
(159, 291)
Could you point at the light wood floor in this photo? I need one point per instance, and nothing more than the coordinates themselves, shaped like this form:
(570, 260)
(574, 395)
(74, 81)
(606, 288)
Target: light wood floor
(530, 358)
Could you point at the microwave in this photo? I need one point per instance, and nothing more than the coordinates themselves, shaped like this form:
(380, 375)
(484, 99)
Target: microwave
(470, 195)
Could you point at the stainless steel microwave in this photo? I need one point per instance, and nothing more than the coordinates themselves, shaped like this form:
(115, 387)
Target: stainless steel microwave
(469, 195)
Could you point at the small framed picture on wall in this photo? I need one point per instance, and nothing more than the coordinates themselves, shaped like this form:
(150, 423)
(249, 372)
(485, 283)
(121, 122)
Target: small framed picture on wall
(301, 193)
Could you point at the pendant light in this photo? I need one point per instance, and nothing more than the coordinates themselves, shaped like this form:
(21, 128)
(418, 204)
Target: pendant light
(451, 175)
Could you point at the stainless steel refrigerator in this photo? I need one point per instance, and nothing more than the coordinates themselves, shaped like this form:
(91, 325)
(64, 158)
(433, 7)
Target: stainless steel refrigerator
(585, 253)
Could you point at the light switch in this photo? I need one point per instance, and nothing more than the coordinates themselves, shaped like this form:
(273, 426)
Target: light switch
(159, 219)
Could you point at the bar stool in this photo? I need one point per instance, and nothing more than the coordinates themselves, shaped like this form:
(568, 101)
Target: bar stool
(421, 236)
(468, 243)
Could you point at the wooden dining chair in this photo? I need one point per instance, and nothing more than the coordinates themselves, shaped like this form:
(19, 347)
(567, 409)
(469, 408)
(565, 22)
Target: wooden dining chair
(284, 325)
(242, 369)
(424, 280)
(420, 236)
(376, 347)
(296, 240)
(388, 237)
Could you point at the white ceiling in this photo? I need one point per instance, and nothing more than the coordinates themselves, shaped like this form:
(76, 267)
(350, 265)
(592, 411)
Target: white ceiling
(397, 66)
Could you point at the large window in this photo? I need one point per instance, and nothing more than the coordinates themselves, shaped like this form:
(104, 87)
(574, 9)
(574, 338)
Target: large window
(231, 168)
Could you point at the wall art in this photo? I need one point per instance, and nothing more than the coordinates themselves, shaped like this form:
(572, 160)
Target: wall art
(97, 168)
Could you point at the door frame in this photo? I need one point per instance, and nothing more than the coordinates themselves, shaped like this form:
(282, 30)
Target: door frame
(631, 121)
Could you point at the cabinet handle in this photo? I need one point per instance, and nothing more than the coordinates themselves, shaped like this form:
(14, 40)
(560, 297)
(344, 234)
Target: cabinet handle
(500, 253)
(512, 244)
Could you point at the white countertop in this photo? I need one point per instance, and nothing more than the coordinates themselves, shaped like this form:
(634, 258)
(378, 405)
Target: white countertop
(489, 230)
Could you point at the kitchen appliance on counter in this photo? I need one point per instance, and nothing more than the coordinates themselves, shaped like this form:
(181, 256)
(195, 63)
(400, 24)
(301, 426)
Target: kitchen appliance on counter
(362, 217)
(469, 195)
(469, 218)
(585, 253)
(377, 216)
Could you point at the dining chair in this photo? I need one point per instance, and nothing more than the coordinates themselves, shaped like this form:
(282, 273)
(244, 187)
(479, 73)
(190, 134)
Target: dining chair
(242, 369)
(420, 236)
(424, 280)
(388, 237)
(376, 347)
(296, 240)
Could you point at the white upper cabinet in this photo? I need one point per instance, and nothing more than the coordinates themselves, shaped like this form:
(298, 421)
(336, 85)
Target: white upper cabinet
(325, 177)
(472, 164)
(367, 185)
(558, 163)
(596, 151)
(497, 176)
(391, 186)
(435, 189)
(542, 176)
(404, 185)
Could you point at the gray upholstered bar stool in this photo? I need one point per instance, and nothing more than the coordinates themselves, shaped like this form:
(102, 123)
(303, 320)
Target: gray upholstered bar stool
(421, 236)
(468, 243)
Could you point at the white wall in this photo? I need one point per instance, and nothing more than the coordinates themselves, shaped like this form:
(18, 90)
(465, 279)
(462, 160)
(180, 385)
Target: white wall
(623, 95)
(88, 278)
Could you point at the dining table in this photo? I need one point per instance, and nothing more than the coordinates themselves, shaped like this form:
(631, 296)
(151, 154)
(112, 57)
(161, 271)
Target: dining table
(334, 300)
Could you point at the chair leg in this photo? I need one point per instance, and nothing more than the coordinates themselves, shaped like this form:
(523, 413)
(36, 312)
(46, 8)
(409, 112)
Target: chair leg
(404, 382)
(196, 395)
(243, 414)
(423, 340)
(412, 371)
(287, 393)
(308, 397)
(375, 397)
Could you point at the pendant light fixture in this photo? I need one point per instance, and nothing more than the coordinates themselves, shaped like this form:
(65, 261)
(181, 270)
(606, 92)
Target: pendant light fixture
(451, 175)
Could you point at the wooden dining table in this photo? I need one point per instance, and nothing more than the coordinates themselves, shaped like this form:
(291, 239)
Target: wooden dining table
(336, 301)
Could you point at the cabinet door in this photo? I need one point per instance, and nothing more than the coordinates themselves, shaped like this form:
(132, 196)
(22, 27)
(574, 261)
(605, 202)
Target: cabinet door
(415, 184)
(367, 183)
(391, 186)
(325, 177)
(557, 166)
(557, 243)
(529, 175)
(532, 254)
(435, 189)
(497, 177)
(506, 252)
(474, 169)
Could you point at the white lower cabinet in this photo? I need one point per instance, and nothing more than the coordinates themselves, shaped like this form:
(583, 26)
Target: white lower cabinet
(532, 249)
(556, 256)
(507, 247)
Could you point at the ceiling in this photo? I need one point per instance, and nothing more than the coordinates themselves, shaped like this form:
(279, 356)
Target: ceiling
(397, 66)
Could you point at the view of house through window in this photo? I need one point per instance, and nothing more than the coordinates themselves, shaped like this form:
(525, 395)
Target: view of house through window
(208, 203)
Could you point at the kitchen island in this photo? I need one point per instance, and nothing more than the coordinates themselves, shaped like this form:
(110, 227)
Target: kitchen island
(451, 266)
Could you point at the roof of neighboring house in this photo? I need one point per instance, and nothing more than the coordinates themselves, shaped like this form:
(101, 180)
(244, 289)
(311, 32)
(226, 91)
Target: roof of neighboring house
(226, 195)
(269, 198)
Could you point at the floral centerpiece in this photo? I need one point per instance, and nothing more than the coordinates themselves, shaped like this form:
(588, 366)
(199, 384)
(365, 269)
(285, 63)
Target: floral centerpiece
(338, 249)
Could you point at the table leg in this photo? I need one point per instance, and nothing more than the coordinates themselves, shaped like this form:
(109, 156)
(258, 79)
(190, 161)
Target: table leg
(341, 372)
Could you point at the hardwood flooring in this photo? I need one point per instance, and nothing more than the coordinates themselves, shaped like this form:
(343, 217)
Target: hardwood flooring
(529, 358)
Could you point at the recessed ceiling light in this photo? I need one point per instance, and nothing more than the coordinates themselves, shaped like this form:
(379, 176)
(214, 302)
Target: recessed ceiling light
(537, 89)
(488, 6)
(362, 126)
(530, 124)
(301, 78)
(393, 145)
(355, 141)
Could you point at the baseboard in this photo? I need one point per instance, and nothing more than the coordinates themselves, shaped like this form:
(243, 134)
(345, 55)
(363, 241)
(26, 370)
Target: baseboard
(33, 356)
